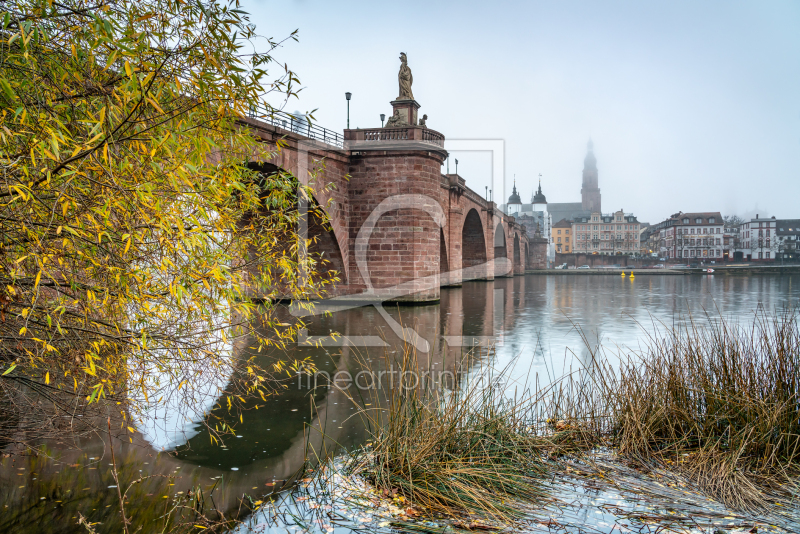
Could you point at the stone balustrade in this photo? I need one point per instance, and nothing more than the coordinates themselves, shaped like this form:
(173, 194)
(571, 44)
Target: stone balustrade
(402, 134)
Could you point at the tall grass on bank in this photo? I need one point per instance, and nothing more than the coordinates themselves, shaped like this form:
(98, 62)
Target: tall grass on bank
(719, 403)
(468, 452)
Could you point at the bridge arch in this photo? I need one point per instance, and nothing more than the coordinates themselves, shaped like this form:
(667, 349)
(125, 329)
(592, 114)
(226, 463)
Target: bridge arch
(500, 248)
(326, 244)
(444, 259)
(473, 245)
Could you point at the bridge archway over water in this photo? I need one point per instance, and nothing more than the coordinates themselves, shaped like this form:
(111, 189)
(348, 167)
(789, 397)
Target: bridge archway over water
(324, 245)
(473, 244)
(500, 249)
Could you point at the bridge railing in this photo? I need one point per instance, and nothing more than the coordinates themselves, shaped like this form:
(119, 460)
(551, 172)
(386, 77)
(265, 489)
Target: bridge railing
(404, 133)
(298, 124)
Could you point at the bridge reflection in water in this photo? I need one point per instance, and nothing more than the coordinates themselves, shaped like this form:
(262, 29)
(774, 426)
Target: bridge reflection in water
(535, 320)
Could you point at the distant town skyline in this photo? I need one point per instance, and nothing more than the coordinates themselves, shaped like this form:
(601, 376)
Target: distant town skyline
(690, 105)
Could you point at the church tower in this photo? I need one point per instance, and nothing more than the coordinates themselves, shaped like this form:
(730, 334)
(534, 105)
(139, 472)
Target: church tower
(514, 201)
(590, 192)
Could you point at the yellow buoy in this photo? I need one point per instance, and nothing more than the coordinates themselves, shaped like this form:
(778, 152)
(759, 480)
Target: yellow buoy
(623, 274)
(631, 275)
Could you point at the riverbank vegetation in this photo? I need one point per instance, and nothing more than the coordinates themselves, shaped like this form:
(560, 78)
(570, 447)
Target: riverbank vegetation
(719, 403)
(132, 231)
(440, 452)
(716, 405)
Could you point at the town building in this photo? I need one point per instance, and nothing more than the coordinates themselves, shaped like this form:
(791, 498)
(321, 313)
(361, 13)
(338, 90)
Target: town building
(514, 206)
(788, 237)
(731, 242)
(758, 239)
(534, 216)
(644, 234)
(562, 237)
(612, 233)
(590, 193)
(691, 236)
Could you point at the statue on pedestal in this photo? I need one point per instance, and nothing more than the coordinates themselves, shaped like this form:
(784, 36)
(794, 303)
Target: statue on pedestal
(423, 121)
(405, 78)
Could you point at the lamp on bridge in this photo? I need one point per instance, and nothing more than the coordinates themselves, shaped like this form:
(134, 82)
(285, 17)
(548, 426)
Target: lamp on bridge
(347, 96)
(383, 116)
(456, 166)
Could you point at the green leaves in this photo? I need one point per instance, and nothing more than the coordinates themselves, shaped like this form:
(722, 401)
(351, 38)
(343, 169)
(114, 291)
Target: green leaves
(126, 244)
(8, 92)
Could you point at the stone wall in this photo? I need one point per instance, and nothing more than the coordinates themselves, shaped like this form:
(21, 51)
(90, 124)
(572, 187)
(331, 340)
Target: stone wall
(405, 243)
(537, 256)
(600, 260)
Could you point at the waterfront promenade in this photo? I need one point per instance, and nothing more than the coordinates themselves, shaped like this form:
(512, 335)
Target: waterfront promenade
(721, 270)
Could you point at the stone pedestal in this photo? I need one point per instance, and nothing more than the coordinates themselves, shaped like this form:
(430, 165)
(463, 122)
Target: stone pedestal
(538, 253)
(408, 110)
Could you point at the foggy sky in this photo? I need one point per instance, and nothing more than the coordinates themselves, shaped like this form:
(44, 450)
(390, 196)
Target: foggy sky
(692, 106)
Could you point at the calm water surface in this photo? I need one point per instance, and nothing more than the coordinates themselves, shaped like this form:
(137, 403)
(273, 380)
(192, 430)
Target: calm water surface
(536, 321)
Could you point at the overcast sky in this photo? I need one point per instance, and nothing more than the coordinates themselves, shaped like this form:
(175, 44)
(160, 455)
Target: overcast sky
(692, 105)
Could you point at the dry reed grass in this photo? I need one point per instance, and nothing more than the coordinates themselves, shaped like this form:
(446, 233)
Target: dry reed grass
(719, 403)
(475, 452)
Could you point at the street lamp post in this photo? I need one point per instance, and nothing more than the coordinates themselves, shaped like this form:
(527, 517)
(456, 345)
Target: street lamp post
(347, 96)
(383, 116)
(456, 166)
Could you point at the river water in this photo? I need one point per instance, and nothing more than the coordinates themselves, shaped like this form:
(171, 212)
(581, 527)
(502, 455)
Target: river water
(539, 324)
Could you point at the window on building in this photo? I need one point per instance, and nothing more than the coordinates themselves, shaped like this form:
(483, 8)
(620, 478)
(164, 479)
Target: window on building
(686, 221)
(698, 220)
(767, 255)
(559, 240)
(566, 231)
(711, 220)
(559, 232)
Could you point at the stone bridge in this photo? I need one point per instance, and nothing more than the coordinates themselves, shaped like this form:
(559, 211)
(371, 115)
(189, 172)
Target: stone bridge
(399, 228)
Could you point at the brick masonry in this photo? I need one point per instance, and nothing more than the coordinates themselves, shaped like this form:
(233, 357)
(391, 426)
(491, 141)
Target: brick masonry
(407, 246)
